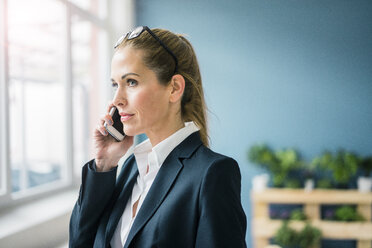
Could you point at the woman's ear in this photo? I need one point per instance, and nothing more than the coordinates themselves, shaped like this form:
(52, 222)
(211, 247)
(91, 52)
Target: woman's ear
(177, 87)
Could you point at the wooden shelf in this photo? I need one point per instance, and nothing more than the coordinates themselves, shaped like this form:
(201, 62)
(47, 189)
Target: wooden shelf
(299, 196)
(265, 228)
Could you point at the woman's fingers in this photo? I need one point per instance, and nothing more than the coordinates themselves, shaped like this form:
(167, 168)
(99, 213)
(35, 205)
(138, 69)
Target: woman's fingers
(111, 104)
(107, 119)
(102, 130)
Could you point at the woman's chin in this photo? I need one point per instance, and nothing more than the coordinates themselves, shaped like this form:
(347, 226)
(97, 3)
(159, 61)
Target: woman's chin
(130, 132)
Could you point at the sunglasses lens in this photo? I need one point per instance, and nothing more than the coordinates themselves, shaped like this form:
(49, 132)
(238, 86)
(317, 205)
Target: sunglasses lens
(131, 35)
(135, 33)
(120, 40)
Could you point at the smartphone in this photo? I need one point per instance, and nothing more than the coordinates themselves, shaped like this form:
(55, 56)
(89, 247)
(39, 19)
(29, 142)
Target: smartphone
(116, 130)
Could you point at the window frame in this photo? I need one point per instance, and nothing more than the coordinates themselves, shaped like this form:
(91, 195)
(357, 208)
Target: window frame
(4, 137)
(7, 197)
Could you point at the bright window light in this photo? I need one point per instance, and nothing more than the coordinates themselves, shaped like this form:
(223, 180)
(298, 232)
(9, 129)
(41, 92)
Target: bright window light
(36, 95)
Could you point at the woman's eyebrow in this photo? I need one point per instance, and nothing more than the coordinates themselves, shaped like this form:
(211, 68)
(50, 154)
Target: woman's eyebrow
(125, 75)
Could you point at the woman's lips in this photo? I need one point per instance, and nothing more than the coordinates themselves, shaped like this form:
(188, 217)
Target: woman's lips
(125, 116)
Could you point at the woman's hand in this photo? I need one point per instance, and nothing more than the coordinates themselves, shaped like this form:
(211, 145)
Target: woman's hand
(107, 150)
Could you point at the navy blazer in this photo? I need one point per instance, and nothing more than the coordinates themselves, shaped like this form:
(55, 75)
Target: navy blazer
(194, 201)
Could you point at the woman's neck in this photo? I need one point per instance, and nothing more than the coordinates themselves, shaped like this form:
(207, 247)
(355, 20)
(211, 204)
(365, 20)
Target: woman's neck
(157, 136)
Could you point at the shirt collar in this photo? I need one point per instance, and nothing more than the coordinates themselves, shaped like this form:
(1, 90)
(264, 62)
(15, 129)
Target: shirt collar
(165, 147)
(146, 154)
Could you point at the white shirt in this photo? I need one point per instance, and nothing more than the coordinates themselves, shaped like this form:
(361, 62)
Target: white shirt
(145, 155)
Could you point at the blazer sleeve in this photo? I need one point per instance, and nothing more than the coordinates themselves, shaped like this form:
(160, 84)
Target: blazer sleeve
(95, 192)
(222, 221)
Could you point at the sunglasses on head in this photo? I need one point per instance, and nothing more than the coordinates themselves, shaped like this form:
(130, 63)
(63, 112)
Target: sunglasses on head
(137, 32)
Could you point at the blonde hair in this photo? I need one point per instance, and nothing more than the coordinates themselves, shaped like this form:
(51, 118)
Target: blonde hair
(156, 58)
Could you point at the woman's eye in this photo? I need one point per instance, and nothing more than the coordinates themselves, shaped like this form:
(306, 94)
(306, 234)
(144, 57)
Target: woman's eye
(114, 85)
(132, 82)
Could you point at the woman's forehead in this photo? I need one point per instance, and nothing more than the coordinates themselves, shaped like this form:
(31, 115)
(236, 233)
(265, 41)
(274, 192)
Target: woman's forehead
(128, 54)
(129, 58)
(127, 61)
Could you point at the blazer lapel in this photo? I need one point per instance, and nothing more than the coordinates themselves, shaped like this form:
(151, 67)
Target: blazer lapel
(124, 187)
(162, 183)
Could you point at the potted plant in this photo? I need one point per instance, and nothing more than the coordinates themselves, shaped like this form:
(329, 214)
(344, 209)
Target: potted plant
(298, 214)
(289, 162)
(309, 236)
(286, 236)
(278, 163)
(365, 182)
(320, 163)
(347, 213)
(263, 156)
(343, 165)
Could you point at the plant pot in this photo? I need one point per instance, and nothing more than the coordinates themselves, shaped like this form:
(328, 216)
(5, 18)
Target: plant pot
(260, 182)
(364, 184)
(309, 185)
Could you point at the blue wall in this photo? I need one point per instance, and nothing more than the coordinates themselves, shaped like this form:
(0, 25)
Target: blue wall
(289, 73)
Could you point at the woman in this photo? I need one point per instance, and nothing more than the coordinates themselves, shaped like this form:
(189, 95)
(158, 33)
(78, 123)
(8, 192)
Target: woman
(173, 191)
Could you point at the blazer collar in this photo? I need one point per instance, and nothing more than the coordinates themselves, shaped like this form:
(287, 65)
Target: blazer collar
(187, 147)
(163, 182)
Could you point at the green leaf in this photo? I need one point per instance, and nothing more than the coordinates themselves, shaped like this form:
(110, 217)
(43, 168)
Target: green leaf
(298, 214)
(286, 236)
(309, 236)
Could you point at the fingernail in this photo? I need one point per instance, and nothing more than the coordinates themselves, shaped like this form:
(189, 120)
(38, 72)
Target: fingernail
(110, 122)
(105, 132)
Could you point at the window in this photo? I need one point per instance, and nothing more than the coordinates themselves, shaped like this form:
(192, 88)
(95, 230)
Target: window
(36, 99)
(53, 61)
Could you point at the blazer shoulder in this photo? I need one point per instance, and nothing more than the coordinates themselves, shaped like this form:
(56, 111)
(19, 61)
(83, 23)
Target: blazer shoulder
(207, 158)
(213, 156)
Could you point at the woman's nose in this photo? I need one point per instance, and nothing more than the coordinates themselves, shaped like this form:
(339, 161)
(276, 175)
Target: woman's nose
(119, 98)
